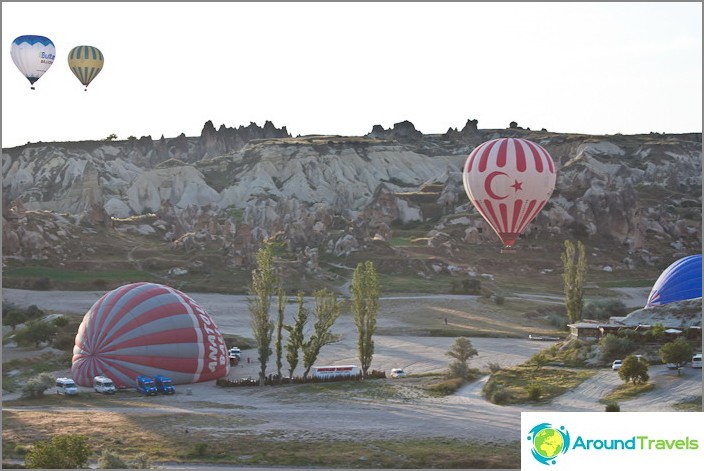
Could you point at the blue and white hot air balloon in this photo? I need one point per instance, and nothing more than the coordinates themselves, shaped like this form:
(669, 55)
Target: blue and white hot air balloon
(680, 281)
(33, 55)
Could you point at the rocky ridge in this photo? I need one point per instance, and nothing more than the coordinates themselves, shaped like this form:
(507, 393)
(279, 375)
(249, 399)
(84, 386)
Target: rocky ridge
(336, 195)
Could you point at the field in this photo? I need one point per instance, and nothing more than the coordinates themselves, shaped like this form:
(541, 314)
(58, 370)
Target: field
(381, 423)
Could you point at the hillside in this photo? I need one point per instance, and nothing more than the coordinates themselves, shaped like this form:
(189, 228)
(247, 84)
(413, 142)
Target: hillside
(191, 211)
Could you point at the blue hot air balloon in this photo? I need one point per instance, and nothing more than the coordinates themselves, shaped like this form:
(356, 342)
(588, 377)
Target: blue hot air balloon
(33, 55)
(680, 281)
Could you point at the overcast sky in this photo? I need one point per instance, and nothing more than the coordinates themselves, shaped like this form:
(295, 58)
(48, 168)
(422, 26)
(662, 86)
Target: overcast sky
(340, 68)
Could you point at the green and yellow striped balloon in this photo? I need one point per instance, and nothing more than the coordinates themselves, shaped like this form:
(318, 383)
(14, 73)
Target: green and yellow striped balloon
(85, 62)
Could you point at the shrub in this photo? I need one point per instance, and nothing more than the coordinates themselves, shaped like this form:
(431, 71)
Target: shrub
(499, 300)
(613, 407)
(109, 460)
(61, 452)
(603, 309)
(534, 392)
(35, 386)
(200, 449)
(500, 396)
(493, 367)
(447, 387)
(613, 346)
(141, 461)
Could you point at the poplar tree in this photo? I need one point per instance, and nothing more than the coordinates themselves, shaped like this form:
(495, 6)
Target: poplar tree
(574, 261)
(261, 291)
(327, 310)
(295, 335)
(365, 305)
(281, 296)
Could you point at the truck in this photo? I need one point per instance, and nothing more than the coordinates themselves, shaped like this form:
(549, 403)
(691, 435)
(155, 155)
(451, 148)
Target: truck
(326, 372)
(164, 385)
(66, 386)
(146, 385)
(104, 385)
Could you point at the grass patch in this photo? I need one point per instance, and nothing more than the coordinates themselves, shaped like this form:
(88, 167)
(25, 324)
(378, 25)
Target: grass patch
(522, 384)
(226, 439)
(627, 391)
(692, 405)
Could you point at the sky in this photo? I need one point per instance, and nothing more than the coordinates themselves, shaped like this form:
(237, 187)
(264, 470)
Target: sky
(341, 68)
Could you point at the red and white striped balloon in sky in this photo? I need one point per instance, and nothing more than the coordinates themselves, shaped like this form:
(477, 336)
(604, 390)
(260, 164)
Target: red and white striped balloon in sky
(148, 329)
(509, 180)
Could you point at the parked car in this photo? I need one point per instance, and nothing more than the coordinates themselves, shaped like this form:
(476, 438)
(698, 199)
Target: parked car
(398, 373)
(697, 360)
(616, 365)
(164, 385)
(146, 386)
(103, 384)
(66, 386)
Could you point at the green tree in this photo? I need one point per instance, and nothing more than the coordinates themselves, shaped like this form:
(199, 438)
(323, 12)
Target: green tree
(295, 335)
(462, 350)
(61, 452)
(278, 342)
(13, 318)
(574, 261)
(634, 369)
(36, 385)
(678, 353)
(38, 331)
(327, 310)
(261, 292)
(365, 305)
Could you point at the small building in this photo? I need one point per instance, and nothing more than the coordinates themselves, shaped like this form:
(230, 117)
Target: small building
(592, 330)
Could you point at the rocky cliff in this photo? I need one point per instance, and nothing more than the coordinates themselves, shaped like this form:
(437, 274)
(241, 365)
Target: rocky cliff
(336, 195)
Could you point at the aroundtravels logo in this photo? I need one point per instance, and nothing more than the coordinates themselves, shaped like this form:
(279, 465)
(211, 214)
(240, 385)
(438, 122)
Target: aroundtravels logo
(548, 442)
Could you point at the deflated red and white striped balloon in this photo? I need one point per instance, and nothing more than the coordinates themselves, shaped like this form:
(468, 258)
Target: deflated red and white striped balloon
(509, 180)
(148, 329)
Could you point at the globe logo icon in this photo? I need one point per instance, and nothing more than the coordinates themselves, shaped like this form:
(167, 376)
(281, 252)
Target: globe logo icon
(548, 442)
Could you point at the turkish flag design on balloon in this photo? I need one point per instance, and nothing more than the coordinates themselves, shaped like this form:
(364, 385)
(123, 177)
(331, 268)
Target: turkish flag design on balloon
(509, 180)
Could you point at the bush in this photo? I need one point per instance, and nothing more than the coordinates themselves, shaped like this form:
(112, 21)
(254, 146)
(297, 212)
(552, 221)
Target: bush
(109, 460)
(613, 407)
(493, 367)
(141, 461)
(499, 300)
(61, 452)
(613, 347)
(447, 387)
(603, 309)
(500, 396)
(35, 386)
(534, 392)
(200, 449)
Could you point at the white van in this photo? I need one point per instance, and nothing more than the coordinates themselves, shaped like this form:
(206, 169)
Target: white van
(103, 384)
(697, 360)
(66, 386)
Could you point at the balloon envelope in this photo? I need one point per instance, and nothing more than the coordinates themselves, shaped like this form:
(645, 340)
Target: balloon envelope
(509, 180)
(33, 55)
(85, 62)
(148, 329)
(680, 281)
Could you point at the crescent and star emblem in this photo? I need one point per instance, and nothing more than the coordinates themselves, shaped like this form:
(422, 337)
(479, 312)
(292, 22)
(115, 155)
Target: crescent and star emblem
(517, 186)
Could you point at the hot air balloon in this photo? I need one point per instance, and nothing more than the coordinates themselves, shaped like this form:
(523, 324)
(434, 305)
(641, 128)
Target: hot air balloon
(148, 329)
(33, 55)
(680, 281)
(85, 62)
(509, 180)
